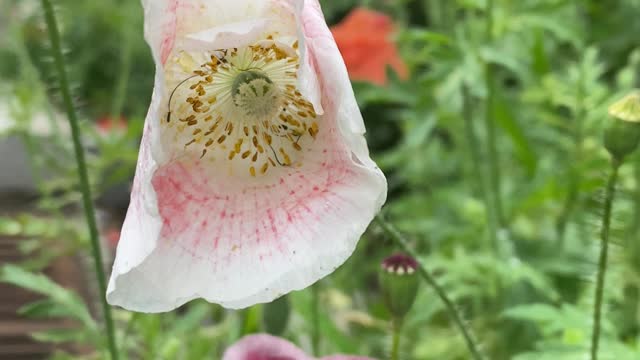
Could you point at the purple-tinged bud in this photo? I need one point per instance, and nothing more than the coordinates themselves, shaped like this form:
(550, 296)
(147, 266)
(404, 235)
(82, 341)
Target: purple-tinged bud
(399, 283)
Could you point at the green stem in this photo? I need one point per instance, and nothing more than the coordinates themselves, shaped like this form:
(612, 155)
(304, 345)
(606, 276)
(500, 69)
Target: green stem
(395, 345)
(54, 36)
(478, 178)
(635, 228)
(492, 150)
(604, 252)
(457, 318)
(315, 319)
(637, 316)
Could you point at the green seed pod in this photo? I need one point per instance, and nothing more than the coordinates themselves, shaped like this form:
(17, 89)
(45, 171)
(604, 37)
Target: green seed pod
(275, 316)
(622, 135)
(621, 138)
(399, 283)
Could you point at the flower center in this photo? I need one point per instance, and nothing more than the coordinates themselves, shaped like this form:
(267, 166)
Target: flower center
(241, 105)
(255, 95)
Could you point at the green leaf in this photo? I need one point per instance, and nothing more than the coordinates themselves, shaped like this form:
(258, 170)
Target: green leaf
(532, 312)
(58, 336)
(507, 121)
(65, 300)
(560, 30)
(9, 227)
(539, 56)
(45, 308)
(496, 56)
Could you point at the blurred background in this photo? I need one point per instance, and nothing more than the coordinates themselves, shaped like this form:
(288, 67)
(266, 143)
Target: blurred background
(502, 201)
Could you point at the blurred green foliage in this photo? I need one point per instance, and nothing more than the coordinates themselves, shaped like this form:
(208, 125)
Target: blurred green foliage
(526, 290)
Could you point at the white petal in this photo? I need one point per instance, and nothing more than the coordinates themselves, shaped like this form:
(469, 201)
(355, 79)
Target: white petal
(226, 36)
(336, 81)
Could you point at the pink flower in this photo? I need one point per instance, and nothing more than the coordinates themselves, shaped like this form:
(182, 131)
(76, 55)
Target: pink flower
(254, 177)
(267, 347)
(364, 39)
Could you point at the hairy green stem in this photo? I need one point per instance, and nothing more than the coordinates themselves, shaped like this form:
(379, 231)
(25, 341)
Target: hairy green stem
(635, 227)
(492, 147)
(83, 176)
(396, 325)
(478, 177)
(604, 253)
(451, 308)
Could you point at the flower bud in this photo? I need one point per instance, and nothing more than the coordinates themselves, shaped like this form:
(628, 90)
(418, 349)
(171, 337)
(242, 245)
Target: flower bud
(399, 283)
(622, 135)
(275, 315)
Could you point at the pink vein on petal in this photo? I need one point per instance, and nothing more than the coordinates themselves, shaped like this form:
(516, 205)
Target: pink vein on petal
(169, 31)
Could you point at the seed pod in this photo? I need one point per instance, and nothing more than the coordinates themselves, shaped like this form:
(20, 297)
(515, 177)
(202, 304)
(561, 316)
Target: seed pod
(622, 134)
(399, 283)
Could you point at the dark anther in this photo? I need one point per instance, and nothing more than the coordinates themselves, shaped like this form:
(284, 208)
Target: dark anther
(173, 92)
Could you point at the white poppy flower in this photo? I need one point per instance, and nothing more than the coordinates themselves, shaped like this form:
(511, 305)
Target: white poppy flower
(254, 177)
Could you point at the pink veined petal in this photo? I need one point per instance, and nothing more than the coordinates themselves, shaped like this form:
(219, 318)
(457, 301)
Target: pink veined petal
(160, 26)
(264, 347)
(192, 231)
